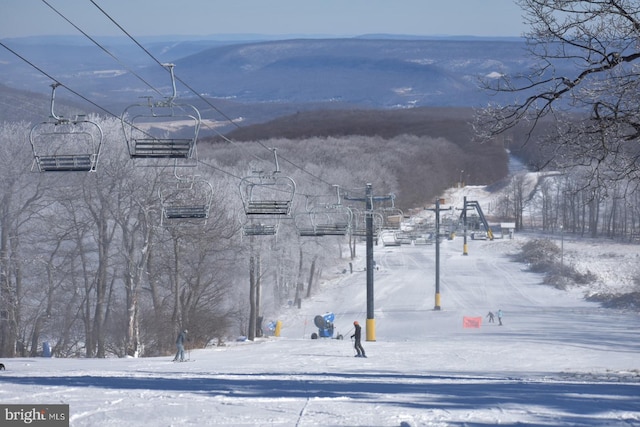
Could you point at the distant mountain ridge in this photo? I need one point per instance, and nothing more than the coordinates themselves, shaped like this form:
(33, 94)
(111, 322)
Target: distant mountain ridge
(370, 71)
(373, 73)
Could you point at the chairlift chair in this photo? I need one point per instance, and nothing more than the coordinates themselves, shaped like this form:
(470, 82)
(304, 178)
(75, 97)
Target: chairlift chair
(391, 215)
(324, 221)
(186, 200)
(359, 227)
(262, 228)
(162, 130)
(332, 221)
(65, 145)
(328, 220)
(267, 194)
(303, 221)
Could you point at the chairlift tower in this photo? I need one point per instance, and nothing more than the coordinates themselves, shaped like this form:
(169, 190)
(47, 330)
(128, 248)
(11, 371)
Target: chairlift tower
(369, 199)
(437, 278)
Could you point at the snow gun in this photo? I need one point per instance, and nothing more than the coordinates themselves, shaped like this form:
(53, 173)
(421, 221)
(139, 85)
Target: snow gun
(325, 326)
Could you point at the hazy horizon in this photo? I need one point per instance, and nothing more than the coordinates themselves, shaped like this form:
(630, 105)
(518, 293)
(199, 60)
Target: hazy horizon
(489, 18)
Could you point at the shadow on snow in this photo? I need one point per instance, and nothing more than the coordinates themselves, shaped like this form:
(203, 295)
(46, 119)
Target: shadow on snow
(420, 392)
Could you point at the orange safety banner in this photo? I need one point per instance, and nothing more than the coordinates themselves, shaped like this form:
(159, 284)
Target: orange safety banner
(471, 322)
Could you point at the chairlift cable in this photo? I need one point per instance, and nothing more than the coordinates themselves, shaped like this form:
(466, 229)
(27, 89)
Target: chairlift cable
(102, 47)
(219, 170)
(230, 141)
(89, 101)
(40, 70)
(196, 93)
(56, 80)
(43, 72)
(234, 143)
(125, 31)
(78, 94)
(163, 66)
(280, 157)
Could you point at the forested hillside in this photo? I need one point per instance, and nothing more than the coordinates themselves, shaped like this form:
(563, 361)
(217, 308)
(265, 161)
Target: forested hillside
(422, 150)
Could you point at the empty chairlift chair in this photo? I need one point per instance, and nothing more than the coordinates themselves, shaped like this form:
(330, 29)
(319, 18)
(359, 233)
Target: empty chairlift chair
(259, 225)
(260, 228)
(65, 145)
(162, 132)
(304, 223)
(267, 194)
(185, 201)
(392, 216)
(325, 220)
(359, 222)
(331, 220)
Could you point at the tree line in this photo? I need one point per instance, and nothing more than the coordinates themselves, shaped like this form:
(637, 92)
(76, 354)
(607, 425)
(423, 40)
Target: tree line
(567, 203)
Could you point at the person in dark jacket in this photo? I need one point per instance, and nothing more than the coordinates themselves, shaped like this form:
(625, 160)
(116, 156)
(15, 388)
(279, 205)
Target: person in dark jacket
(357, 335)
(182, 337)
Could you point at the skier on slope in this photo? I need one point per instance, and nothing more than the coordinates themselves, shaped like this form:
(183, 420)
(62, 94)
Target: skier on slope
(182, 337)
(357, 334)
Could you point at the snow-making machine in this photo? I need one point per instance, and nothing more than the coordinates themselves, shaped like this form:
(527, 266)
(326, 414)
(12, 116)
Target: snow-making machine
(324, 323)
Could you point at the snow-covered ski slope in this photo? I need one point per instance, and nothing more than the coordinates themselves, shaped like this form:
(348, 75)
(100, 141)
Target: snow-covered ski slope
(557, 361)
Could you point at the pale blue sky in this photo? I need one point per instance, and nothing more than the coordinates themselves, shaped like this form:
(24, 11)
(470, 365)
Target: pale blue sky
(20, 18)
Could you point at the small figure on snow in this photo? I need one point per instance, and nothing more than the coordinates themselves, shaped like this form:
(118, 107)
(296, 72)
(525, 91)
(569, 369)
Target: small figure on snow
(500, 317)
(357, 334)
(182, 337)
(491, 317)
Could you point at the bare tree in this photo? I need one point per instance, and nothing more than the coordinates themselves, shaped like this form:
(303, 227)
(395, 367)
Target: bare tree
(253, 283)
(135, 216)
(585, 78)
(517, 199)
(20, 198)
